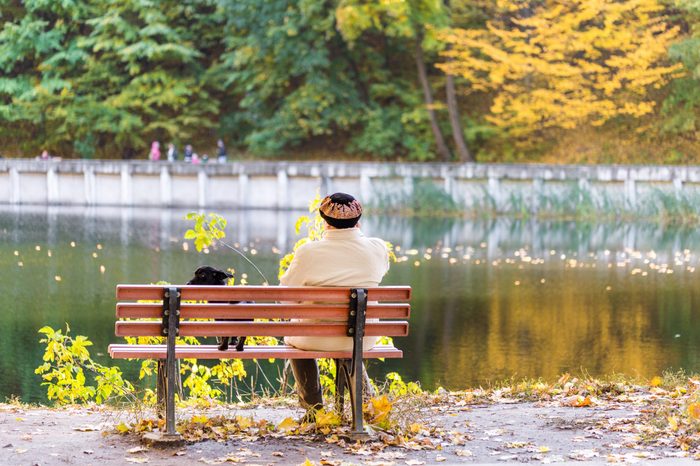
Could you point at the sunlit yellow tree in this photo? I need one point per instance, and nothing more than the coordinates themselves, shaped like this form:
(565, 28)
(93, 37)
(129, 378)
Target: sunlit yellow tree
(564, 63)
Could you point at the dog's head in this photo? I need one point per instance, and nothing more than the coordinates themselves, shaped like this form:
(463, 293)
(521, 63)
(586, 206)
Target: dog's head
(206, 275)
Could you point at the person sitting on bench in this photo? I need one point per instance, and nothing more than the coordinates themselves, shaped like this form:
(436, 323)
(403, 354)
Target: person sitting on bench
(343, 257)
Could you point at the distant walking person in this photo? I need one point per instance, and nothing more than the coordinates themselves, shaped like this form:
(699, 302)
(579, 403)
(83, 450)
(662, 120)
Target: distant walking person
(172, 152)
(154, 155)
(188, 153)
(221, 151)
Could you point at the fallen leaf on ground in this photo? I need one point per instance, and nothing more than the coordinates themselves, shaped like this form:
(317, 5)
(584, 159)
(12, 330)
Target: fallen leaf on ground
(213, 460)
(122, 428)
(137, 450)
(86, 428)
(287, 425)
(136, 460)
(694, 410)
(578, 401)
(583, 454)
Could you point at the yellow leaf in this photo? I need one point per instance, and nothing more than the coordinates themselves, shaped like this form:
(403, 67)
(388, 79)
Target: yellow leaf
(244, 422)
(327, 418)
(673, 423)
(543, 449)
(122, 428)
(381, 407)
(200, 419)
(307, 462)
(415, 428)
(656, 381)
(694, 410)
(288, 425)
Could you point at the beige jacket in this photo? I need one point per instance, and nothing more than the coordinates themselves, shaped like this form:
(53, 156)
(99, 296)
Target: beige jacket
(343, 257)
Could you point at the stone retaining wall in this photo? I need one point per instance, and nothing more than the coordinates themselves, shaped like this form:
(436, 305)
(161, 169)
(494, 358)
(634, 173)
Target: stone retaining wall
(289, 185)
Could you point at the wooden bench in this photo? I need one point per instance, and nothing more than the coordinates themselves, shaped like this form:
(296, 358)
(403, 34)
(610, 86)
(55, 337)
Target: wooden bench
(343, 310)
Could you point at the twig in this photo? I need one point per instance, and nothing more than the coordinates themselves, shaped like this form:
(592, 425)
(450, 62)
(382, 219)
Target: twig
(266, 281)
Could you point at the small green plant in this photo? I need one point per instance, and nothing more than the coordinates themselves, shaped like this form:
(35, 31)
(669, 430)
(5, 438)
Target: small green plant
(68, 368)
(207, 229)
(397, 387)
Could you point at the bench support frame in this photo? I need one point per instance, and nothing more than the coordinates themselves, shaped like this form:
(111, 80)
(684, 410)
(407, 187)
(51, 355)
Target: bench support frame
(349, 371)
(171, 324)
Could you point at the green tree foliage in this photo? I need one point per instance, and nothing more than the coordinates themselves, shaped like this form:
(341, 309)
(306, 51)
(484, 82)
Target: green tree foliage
(682, 106)
(103, 78)
(89, 77)
(292, 71)
(399, 118)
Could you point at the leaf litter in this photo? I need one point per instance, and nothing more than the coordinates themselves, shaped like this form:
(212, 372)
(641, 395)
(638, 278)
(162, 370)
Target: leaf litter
(603, 421)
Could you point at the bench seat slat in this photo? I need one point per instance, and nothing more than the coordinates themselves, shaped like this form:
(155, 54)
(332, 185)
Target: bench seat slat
(262, 293)
(262, 311)
(272, 329)
(123, 351)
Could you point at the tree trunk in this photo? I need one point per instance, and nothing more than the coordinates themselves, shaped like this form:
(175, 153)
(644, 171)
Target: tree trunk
(442, 149)
(462, 150)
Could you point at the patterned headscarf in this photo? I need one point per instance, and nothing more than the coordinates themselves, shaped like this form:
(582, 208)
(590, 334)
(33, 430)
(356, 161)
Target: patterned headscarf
(340, 210)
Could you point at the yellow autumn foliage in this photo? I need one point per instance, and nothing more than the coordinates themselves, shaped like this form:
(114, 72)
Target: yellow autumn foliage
(562, 64)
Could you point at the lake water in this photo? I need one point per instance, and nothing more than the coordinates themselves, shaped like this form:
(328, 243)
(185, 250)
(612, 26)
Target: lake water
(493, 299)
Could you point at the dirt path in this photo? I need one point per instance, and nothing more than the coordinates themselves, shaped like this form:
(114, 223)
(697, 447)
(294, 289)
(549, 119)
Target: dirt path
(475, 434)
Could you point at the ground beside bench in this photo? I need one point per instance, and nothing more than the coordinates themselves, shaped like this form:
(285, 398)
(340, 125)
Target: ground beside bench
(316, 311)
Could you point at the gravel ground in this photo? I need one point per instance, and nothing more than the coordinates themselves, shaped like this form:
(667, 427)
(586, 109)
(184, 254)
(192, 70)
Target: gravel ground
(498, 433)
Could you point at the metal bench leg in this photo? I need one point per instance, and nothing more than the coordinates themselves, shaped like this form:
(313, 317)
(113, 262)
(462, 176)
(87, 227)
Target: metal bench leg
(173, 297)
(171, 319)
(356, 329)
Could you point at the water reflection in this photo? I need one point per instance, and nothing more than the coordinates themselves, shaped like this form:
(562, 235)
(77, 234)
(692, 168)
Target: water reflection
(492, 298)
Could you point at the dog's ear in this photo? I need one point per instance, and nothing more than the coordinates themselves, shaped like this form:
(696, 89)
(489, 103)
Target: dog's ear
(220, 275)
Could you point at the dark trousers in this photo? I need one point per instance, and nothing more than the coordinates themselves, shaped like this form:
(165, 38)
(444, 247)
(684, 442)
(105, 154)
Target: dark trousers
(308, 383)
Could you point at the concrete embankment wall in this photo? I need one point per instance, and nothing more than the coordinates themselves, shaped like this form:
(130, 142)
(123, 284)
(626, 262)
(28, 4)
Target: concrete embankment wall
(290, 185)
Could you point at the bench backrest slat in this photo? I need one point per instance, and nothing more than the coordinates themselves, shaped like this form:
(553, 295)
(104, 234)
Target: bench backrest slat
(262, 311)
(263, 293)
(314, 311)
(272, 329)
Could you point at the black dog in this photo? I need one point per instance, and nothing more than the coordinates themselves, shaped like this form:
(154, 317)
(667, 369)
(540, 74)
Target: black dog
(206, 275)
